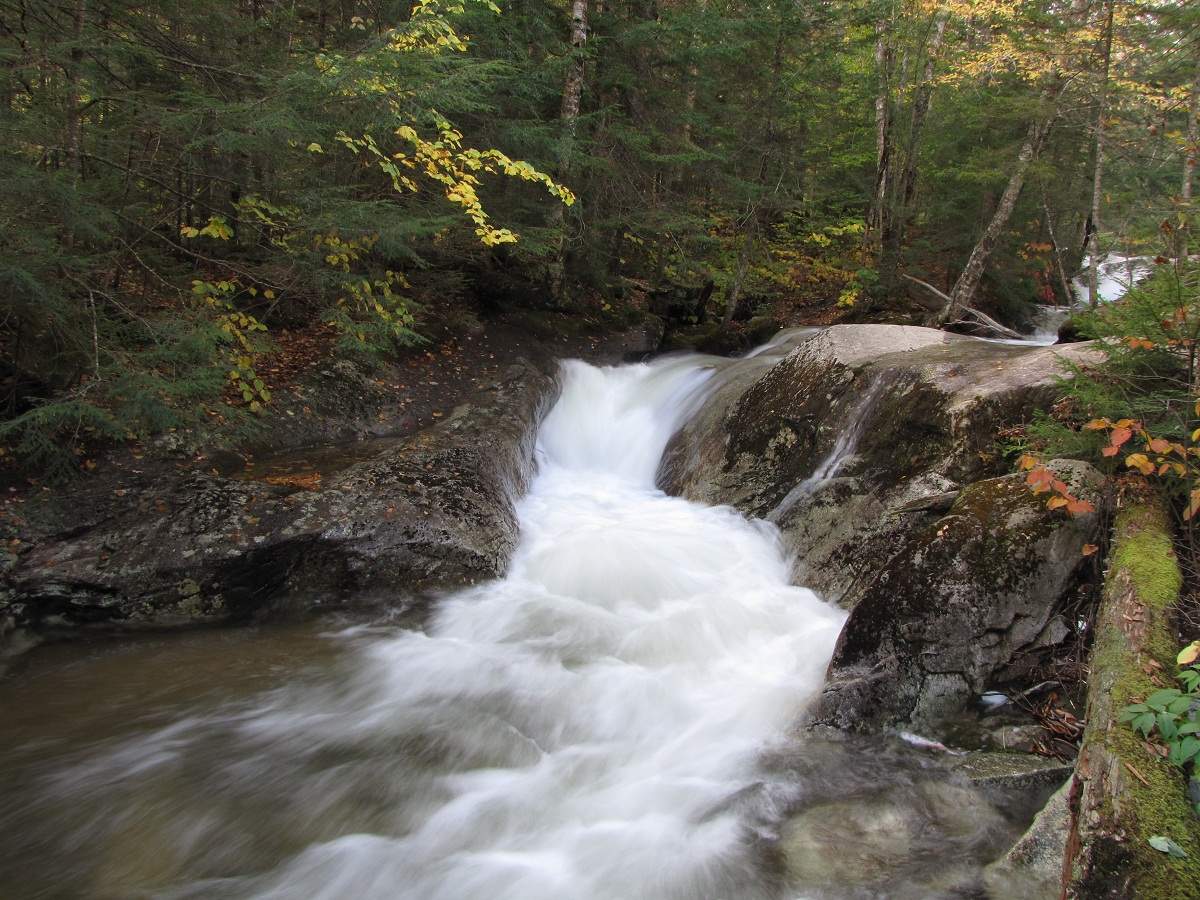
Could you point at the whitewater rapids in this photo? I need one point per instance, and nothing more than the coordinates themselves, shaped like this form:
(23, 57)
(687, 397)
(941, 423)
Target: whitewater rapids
(592, 711)
(586, 727)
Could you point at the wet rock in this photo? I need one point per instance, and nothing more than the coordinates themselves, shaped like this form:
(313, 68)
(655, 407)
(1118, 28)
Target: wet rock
(924, 407)
(432, 511)
(226, 462)
(1016, 738)
(1005, 777)
(973, 599)
(1033, 868)
(881, 844)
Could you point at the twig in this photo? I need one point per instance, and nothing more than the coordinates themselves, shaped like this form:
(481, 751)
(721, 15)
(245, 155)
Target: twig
(1136, 774)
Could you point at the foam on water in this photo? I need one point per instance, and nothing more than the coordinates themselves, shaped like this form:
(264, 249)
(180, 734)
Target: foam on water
(576, 729)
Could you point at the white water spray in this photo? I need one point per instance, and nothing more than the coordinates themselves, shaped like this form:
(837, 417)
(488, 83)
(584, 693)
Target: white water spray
(578, 729)
(844, 448)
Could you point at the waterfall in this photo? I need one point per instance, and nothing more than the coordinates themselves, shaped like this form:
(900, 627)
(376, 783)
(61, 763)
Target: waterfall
(844, 447)
(1115, 275)
(587, 727)
(600, 701)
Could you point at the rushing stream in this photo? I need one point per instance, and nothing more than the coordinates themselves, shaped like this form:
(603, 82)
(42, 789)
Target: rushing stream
(598, 724)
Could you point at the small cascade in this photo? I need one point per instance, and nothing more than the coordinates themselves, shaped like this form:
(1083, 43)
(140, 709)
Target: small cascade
(1046, 322)
(581, 728)
(1115, 275)
(843, 449)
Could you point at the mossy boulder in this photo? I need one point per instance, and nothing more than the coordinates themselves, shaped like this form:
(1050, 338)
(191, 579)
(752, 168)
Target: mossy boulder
(1123, 793)
(970, 601)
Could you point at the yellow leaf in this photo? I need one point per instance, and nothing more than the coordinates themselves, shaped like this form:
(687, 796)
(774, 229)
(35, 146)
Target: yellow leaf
(1189, 654)
(1140, 462)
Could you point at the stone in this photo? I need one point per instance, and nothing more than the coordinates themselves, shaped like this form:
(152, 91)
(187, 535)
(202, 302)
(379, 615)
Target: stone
(1033, 868)
(880, 845)
(1005, 777)
(430, 512)
(924, 407)
(968, 601)
(1017, 738)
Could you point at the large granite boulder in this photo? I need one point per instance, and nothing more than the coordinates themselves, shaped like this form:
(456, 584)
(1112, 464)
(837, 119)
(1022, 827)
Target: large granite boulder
(852, 437)
(433, 511)
(972, 600)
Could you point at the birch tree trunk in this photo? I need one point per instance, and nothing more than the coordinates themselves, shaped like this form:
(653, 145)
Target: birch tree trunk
(963, 293)
(1098, 172)
(1190, 154)
(876, 219)
(569, 118)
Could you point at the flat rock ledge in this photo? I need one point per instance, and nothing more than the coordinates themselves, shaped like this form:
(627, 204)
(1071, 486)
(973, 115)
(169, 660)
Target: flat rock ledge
(434, 511)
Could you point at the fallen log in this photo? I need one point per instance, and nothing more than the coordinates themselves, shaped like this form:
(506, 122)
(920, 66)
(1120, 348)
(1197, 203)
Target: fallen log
(1122, 792)
(989, 323)
(969, 313)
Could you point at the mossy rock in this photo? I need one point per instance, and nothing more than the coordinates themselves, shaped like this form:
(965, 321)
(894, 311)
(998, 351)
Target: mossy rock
(974, 599)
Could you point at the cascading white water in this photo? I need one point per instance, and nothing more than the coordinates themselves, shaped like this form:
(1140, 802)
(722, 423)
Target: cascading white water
(1116, 274)
(583, 728)
(601, 701)
(844, 447)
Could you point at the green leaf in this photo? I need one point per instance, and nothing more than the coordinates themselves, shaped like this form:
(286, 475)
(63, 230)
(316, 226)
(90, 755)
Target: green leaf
(1159, 699)
(1180, 706)
(1188, 748)
(1144, 723)
(1166, 725)
(1166, 845)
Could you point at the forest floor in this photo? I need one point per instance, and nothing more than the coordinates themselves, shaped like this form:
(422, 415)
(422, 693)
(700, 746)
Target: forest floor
(405, 395)
(411, 392)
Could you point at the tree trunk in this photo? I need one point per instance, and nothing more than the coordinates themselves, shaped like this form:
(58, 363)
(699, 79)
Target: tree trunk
(1121, 794)
(74, 117)
(963, 293)
(921, 104)
(876, 217)
(569, 118)
(1098, 172)
(903, 180)
(739, 277)
(1190, 154)
(693, 77)
(1060, 269)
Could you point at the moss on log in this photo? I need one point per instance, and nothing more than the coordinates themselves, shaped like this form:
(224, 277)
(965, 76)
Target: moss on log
(1122, 794)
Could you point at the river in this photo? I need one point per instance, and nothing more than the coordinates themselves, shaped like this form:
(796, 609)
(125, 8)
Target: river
(597, 724)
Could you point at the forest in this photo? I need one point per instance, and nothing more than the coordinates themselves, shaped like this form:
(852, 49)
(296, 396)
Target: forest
(542, 449)
(185, 182)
